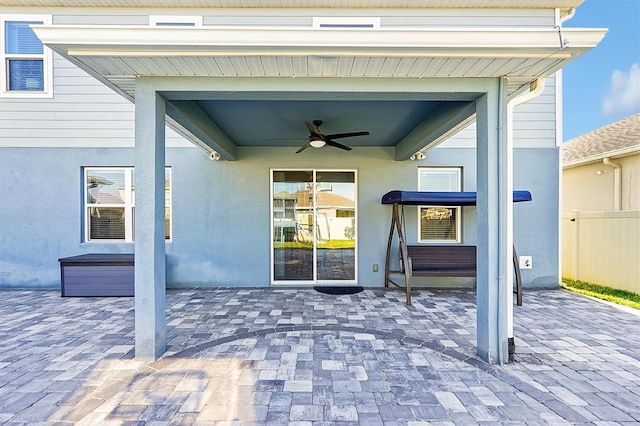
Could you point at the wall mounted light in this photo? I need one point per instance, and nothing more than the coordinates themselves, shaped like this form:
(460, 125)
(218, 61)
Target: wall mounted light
(214, 156)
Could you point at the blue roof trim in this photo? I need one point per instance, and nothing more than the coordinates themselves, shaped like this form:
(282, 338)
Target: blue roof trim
(414, 198)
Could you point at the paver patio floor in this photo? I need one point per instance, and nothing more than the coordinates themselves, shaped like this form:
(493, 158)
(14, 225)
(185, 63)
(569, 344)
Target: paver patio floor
(292, 356)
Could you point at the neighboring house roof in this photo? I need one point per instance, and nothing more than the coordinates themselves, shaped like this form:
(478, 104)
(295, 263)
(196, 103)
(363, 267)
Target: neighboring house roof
(324, 199)
(616, 139)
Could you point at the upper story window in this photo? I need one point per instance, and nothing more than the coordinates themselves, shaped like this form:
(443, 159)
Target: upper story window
(109, 203)
(438, 224)
(26, 63)
(346, 22)
(175, 21)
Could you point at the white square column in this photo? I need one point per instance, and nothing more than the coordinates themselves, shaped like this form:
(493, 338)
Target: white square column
(150, 274)
(495, 225)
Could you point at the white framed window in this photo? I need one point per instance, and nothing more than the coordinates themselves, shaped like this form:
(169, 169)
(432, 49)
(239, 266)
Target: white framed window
(346, 22)
(109, 204)
(314, 226)
(439, 224)
(175, 21)
(27, 65)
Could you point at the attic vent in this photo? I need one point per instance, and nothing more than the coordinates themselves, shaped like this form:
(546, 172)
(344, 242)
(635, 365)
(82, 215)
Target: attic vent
(175, 21)
(346, 22)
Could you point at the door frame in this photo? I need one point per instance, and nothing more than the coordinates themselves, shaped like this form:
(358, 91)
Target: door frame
(314, 280)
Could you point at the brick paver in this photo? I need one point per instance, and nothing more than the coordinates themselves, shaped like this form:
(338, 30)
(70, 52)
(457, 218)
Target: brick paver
(299, 357)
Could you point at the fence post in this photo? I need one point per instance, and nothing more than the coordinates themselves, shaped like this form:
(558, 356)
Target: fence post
(574, 220)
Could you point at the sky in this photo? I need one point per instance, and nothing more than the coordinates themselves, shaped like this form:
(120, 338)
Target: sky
(603, 85)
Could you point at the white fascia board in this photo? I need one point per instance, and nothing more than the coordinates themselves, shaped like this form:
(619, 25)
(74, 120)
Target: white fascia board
(444, 42)
(624, 152)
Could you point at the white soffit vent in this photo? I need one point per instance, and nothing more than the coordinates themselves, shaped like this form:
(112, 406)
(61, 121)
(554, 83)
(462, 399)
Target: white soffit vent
(346, 22)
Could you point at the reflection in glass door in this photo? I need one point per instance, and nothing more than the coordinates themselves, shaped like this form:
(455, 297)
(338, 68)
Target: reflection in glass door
(314, 226)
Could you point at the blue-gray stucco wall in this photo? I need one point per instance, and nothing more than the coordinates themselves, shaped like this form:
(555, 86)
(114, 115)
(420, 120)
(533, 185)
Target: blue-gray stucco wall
(221, 210)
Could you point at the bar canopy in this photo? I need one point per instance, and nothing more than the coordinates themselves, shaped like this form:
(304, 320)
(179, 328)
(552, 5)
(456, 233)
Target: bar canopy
(414, 198)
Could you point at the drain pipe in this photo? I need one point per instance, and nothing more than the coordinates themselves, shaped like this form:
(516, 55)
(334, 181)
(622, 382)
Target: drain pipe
(617, 183)
(535, 89)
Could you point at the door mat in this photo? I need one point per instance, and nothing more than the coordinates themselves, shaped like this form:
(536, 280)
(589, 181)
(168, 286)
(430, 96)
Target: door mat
(329, 289)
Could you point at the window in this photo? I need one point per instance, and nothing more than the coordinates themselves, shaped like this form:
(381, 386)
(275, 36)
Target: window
(346, 22)
(26, 63)
(439, 223)
(110, 203)
(175, 21)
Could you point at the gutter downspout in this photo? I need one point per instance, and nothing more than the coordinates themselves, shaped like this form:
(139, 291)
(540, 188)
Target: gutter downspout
(558, 21)
(617, 183)
(505, 222)
(535, 89)
(561, 20)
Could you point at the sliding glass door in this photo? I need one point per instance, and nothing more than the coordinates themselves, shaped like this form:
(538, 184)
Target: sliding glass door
(313, 217)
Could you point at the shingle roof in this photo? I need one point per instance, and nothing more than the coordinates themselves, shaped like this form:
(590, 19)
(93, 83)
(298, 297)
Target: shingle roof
(619, 137)
(324, 199)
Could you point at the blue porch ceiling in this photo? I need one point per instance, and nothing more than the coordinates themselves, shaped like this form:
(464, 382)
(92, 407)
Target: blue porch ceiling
(264, 123)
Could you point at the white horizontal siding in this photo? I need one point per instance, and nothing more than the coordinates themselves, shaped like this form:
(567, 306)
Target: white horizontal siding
(82, 113)
(100, 19)
(430, 17)
(472, 18)
(258, 21)
(534, 124)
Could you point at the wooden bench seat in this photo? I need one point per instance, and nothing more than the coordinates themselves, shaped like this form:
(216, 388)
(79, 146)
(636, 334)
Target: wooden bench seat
(442, 261)
(445, 261)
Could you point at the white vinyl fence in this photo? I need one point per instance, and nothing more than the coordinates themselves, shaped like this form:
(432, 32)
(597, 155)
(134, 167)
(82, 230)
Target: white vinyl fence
(602, 248)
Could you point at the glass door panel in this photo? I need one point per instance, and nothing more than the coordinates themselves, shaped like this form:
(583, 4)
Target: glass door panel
(314, 226)
(335, 194)
(292, 213)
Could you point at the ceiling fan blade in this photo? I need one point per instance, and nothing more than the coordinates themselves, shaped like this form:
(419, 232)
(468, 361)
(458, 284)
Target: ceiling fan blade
(346, 135)
(303, 147)
(313, 129)
(337, 145)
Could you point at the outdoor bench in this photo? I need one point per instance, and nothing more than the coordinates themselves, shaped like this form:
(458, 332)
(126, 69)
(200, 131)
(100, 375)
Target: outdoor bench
(97, 274)
(442, 261)
(451, 261)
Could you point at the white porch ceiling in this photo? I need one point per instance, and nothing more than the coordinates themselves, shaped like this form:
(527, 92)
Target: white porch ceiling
(118, 55)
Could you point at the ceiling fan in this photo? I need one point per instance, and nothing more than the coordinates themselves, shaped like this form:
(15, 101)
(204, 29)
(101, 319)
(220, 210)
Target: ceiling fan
(317, 139)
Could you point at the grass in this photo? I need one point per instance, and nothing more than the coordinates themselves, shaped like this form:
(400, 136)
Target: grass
(329, 244)
(621, 297)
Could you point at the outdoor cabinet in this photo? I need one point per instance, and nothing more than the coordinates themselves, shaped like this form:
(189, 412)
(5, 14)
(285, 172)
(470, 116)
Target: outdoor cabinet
(97, 275)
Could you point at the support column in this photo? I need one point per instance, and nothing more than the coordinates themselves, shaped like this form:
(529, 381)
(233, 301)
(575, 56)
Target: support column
(495, 225)
(150, 279)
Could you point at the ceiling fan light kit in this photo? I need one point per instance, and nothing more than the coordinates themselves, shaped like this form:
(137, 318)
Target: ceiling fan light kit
(319, 143)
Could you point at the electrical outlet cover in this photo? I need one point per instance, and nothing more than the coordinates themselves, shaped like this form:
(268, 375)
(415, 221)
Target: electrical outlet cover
(526, 262)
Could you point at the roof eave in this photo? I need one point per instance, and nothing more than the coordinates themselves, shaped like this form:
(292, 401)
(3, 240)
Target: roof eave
(128, 40)
(619, 153)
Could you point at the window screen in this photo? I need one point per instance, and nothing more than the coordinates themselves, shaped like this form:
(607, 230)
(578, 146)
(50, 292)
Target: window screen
(438, 179)
(110, 203)
(20, 38)
(24, 57)
(439, 223)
